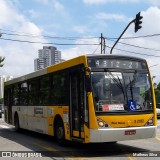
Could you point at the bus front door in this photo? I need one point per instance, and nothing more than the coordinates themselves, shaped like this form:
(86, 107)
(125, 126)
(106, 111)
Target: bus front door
(77, 106)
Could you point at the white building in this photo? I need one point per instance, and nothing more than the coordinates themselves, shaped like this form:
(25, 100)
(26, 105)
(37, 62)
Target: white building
(3, 78)
(47, 56)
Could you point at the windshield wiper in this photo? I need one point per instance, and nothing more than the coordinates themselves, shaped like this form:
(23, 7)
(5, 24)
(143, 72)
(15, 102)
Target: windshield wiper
(131, 88)
(119, 84)
(121, 87)
(132, 83)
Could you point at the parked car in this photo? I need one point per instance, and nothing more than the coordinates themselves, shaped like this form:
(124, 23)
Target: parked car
(158, 113)
(158, 110)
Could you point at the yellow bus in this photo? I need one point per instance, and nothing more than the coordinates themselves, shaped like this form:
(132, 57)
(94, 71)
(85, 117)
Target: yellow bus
(88, 99)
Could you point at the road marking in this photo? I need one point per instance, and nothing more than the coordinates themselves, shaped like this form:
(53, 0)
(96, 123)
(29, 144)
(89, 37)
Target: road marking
(130, 156)
(51, 149)
(70, 155)
(158, 137)
(4, 126)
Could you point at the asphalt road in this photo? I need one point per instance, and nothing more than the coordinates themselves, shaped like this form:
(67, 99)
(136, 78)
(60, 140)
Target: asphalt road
(31, 145)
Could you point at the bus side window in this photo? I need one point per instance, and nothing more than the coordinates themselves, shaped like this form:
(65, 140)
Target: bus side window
(24, 94)
(59, 94)
(33, 92)
(16, 95)
(45, 85)
(6, 96)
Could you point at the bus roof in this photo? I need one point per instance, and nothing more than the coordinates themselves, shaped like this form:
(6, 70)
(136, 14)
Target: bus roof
(113, 56)
(66, 64)
(56, 67)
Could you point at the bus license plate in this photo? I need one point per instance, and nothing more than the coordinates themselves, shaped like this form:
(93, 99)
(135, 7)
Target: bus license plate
(130, 132)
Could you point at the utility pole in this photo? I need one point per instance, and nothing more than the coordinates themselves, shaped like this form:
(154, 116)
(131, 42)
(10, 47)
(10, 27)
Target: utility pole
(103, 44)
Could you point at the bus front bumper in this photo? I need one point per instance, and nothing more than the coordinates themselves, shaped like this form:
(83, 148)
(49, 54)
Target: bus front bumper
(121, 134)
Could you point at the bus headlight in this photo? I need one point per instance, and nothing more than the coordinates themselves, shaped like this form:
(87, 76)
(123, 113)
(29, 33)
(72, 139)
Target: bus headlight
(150, 122)
(101, 123)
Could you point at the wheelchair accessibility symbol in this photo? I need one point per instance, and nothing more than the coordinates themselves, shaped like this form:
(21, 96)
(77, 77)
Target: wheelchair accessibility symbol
(132, 105)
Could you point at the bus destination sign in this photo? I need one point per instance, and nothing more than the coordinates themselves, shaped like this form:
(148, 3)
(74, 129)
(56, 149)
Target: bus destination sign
(111, 63)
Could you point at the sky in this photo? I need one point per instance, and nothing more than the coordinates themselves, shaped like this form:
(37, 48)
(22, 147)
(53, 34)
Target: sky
(75, 22)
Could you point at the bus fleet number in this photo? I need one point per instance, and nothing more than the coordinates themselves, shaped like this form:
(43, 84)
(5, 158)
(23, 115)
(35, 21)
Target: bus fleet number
(139, 121)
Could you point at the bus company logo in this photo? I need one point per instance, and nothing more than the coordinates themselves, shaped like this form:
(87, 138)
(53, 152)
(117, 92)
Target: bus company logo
(129, 123)
(38, 110)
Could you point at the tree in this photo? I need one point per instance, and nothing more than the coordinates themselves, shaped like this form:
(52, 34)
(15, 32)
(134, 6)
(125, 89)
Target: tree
(157, 93)
(1, 60)
(1, 100)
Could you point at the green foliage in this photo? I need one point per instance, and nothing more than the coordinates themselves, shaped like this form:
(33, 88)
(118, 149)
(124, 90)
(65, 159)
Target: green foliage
(157, 93)
(158, 86)
(1, 100)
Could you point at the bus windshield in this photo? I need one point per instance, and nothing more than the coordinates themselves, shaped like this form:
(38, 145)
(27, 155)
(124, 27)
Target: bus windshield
(121, 91)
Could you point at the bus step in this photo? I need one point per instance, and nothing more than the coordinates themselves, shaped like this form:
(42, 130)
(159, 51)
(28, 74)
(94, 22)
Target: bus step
(77, 139)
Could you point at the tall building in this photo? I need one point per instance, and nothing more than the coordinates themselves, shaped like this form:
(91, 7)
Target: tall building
(47, 56)
(3, 78)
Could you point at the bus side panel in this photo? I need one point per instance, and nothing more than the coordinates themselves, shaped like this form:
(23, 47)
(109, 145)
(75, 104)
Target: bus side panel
(154, 101)
(87, 134)
(92, 117)
(37, 119)
(33, 118)
(63, 112)
(6, 114)
(22, 115)
(50, 118)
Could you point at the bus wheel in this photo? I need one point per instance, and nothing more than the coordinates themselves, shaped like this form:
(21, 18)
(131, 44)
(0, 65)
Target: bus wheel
(59, 132)
(16, 123)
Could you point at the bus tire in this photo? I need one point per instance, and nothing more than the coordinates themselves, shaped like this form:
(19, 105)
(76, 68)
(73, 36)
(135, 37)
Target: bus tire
(16, 123)
(59, 132)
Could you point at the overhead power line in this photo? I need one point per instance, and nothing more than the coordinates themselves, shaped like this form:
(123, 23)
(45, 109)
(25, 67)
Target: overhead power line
(15, 40)
(134, 37)
(47, 36)
(75, 38)
(133, 52)
(96, 49)
(14, 33)
(25, 41)
(71, 38)
(135, 46)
